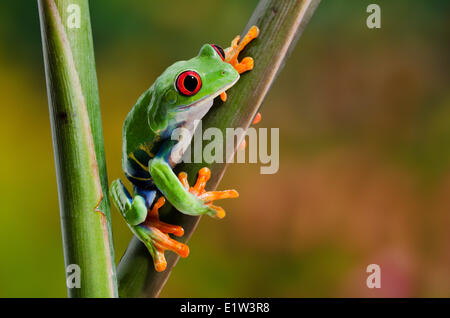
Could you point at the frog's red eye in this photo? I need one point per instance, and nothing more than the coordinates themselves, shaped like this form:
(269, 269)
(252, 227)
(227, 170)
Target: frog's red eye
(219, 51)
(188, 83)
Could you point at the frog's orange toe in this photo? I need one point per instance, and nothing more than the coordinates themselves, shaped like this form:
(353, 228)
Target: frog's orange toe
(218, 195)
(223, 96)
(160, 262)
(237, 45)
(171, 229)
(246, 64)
(172, 245)
(204, 174)
(219, 212)
(184, 251)
(253, 33)
(182, 176)
(257, 119)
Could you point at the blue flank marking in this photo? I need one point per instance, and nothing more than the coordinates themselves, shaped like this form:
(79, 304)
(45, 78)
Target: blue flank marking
(148, 195)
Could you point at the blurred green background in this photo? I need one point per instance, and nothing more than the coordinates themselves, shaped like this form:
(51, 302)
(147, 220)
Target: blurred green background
(364, 118)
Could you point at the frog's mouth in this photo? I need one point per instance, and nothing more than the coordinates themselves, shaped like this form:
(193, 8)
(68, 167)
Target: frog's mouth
(209, 97)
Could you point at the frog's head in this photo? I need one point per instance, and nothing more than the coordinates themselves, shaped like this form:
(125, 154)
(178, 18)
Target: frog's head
(186, 90)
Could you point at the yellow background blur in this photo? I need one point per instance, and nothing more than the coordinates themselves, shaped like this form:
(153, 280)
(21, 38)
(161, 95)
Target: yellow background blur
(364, 118)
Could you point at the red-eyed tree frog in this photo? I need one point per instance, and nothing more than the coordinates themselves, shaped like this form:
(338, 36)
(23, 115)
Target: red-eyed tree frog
(180, 97)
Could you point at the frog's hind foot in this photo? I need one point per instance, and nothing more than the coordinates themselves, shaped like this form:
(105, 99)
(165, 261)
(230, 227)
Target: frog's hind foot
(207, 196)
(232, 53)
(158, 237)
(145, 224)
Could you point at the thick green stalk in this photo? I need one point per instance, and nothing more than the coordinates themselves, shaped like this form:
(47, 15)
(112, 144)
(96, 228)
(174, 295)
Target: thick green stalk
(281, 23)
(78, 145)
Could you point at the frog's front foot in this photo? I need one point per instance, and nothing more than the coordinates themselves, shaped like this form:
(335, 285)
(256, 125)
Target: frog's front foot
(155, 235)
(232, 53)
(207, 196)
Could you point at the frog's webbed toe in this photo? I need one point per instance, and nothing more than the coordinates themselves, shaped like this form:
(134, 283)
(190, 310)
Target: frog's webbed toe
(237, 45)
(207, 196)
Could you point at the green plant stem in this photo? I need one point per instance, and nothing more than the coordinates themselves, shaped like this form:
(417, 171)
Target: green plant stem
(78, 145)
(281, 23)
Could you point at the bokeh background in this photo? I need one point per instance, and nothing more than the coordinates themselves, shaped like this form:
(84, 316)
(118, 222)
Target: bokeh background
(364, 118)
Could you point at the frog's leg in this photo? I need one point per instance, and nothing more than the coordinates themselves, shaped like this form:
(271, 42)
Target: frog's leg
(133, 210)
(232, 54)
(143, 220)
(182, 198)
